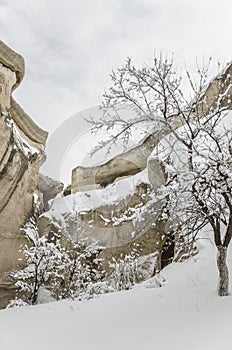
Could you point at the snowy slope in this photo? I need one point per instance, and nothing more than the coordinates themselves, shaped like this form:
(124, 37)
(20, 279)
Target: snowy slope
(184, 314)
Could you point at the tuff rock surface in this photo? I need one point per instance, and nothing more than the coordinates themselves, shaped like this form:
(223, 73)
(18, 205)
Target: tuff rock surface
(49, 189)
(21, 154)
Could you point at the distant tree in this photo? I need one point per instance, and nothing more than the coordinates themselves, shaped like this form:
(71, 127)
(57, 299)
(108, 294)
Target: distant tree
(196, 153)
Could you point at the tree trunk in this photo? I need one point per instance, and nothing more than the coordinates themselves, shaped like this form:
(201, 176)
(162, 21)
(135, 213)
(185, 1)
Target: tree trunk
(223, 284)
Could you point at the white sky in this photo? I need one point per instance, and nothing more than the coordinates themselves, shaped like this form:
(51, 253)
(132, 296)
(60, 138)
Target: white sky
(71, 46)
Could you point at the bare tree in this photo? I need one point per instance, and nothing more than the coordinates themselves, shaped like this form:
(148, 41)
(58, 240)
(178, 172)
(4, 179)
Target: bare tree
(197, 151)
(40, 259)
(154, 93)
(199, 185)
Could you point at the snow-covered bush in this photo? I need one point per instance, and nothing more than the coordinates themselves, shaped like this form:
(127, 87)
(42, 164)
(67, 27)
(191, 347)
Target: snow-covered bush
(62, 273)
(40, 259)
(124, 273)
(80, 268)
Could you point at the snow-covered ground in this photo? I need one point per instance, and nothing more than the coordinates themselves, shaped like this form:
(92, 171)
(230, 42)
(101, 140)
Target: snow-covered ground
(185, 313)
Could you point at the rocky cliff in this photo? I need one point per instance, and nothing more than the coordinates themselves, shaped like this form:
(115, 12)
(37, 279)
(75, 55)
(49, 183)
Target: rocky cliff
(21, 154)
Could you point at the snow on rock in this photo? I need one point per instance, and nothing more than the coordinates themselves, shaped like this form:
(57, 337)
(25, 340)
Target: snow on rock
(85, 201)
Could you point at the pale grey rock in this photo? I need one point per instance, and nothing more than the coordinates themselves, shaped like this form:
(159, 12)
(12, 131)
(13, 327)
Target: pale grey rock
(49, 189)
(21, 154)
(156, 173)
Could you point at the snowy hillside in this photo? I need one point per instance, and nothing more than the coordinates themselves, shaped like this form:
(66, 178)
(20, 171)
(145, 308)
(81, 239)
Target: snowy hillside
(185, 313)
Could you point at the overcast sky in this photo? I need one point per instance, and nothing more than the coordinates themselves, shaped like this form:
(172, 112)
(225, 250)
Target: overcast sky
(71, 46)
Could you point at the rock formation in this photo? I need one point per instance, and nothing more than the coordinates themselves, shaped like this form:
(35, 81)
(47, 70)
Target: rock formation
(115, 223)
(218, 92)
(123, 165)
(21, 154)
(127, 165)
(49, 189)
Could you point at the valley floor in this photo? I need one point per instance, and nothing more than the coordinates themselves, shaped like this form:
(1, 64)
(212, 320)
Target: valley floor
(185, 313)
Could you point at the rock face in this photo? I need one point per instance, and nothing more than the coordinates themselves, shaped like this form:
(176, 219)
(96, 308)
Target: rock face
(218, 92)
(123, 165)
(49, 189)
(114, 224)
(21, 154)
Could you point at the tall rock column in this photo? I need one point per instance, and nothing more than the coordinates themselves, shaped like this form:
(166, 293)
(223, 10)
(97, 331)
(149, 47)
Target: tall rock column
(22, 145)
